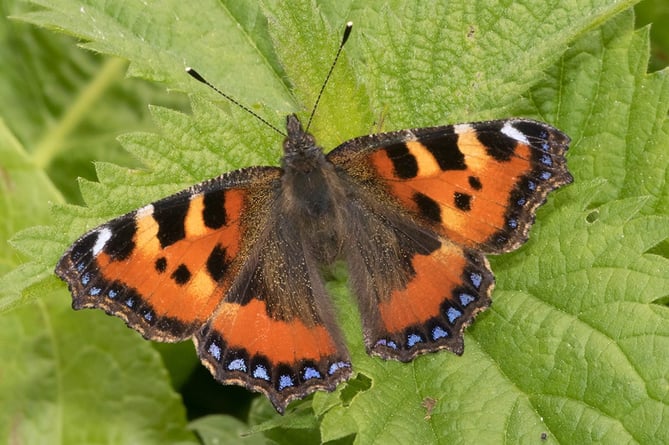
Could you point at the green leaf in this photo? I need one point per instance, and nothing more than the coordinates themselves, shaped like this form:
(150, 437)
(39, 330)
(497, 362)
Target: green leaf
(574, 345)
(161, 40)
(25, 191)
(215, 430)
(80, 378)
(66, 106)
(54, 387)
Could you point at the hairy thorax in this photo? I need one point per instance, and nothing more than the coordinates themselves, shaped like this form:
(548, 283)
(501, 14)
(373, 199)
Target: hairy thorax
(312, 195)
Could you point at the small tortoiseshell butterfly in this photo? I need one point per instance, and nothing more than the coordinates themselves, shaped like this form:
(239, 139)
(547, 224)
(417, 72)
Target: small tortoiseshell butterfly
(235, 262)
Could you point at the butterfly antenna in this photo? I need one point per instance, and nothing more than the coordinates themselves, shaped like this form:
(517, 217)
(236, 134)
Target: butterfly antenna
(347, 32)
(195, 75)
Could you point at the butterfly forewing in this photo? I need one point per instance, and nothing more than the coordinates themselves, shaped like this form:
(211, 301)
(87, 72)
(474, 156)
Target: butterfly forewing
(478, 184)
(165, 267)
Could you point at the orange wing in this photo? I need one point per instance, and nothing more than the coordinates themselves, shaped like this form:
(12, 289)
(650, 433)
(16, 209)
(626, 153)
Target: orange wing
(276, 331)
(477, 184)
(455, 192)
(193, 264)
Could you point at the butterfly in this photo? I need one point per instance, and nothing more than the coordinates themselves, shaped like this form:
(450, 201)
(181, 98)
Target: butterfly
(236, 262)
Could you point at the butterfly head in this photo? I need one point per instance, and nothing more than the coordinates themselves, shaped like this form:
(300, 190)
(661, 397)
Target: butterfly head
(300, 151)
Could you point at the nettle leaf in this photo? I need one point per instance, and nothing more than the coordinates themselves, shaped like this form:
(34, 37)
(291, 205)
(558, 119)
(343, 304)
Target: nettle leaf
(573, 346)
(215, 430)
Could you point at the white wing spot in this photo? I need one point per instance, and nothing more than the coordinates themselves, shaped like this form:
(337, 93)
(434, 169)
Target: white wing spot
(514, 133)
(147, 210)
(104, 234)
(462, 128)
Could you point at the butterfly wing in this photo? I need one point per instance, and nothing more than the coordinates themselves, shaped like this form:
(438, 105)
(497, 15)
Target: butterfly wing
(197, 264)
(276, 333)
(450, 194)
(164, 268)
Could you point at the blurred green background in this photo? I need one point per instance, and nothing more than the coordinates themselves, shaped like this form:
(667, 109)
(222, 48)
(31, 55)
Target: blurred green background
(656, 12)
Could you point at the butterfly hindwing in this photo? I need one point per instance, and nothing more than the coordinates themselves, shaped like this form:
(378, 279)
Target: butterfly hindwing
(416, 290)
(454, 193)
(276, 331)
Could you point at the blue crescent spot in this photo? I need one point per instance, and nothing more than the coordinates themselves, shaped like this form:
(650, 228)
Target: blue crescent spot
(389, 343)
(465, 299)
(311, 373)
(95, 291)
(546, 175)
(112, 293)
(438, 332)
(476, 279)
(513, 223)
(148, 316)
(285, 381)
(85, 278)
(130, 302)
(337, 366)
(80, 266)
(412, 339)
(237, 364)
(531, 185)
(260, 372)
(546, 160)
(453, 314)
(521, 202)
(215, 351)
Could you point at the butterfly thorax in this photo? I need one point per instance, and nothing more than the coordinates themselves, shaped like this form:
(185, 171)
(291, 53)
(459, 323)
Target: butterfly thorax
(311, 190)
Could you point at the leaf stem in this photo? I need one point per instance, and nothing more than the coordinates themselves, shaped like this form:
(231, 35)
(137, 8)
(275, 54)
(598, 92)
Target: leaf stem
(53, 141)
